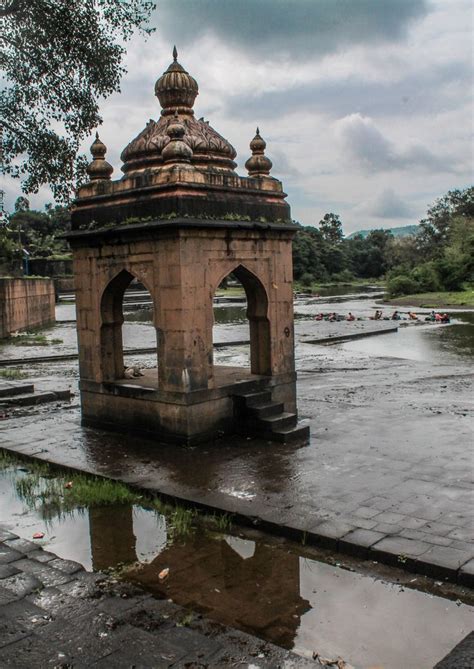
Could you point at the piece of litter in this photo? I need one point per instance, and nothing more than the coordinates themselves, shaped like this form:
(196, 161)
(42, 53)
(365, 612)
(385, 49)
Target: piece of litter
(328, 662)
(164, 573)
(38, 535)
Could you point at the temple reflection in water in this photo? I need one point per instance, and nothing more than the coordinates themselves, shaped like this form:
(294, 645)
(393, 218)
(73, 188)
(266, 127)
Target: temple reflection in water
(242, 583)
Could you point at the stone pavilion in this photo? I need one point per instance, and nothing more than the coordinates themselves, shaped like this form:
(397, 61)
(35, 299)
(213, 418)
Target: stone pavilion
(179, 221)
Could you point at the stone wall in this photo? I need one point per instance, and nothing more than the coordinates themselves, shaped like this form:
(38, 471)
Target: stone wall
(47, 267)
(25, 303)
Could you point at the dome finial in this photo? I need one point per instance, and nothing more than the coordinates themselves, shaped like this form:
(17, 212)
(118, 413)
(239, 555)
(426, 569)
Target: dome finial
(176, 89)
(99, 168)
(258, 164)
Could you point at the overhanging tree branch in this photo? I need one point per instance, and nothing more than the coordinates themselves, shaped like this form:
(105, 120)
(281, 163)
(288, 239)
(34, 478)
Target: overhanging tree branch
(59, 58)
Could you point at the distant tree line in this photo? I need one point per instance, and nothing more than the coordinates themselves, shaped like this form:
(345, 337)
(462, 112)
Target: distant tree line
(40, 233)
(439, 257)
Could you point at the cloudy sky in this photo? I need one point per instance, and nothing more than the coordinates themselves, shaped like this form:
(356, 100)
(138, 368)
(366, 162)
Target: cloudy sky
(366, 105)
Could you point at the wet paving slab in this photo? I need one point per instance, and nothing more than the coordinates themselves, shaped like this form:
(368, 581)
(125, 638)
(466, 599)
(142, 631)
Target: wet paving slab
(294, 596)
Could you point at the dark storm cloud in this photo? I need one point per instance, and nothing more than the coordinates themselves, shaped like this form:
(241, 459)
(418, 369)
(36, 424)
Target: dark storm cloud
(288, 27)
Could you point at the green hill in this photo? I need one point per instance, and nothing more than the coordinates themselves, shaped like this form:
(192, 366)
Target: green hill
(403, 231)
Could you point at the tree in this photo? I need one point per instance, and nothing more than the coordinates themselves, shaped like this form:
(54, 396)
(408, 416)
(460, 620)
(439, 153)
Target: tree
(308, 249)
(41, 232)
(22, 204)
(435, 229)
(331, 228)
(59, 57)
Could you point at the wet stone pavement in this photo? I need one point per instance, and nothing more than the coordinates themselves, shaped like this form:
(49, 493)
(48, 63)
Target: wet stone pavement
(387, 474)
(55, 614)
(387, 479)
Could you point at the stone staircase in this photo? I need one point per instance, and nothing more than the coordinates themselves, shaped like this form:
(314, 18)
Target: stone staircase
(20, 394)
(259, 416)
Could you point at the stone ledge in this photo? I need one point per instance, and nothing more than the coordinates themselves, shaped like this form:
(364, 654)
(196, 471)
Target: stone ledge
(175, 224)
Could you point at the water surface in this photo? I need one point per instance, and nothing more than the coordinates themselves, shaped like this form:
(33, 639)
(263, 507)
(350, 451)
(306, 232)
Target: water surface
(271, 589)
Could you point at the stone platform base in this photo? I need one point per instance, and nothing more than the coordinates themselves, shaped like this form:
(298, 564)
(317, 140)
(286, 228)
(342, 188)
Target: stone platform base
(139, 407)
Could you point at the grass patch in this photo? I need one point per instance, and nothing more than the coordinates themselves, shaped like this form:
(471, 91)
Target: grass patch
(12, 374)
(223, 522)
(180, 520)
(436, 300)
(28, 339)
(57, 493)
(7, 460)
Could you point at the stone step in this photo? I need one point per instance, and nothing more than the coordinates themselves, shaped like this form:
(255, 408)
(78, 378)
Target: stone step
(31, 399)
(264, 410)
(299, 433)
(10, 389)
(252, 399)
(279, 422)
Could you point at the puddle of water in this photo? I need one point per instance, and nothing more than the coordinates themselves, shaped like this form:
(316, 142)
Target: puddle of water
(265, 589)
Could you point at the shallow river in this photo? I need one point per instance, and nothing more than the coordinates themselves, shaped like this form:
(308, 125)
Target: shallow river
(427, 342)
(269, 588)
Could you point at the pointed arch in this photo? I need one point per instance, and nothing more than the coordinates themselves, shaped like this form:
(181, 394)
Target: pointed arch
(257, 314)
(111, 312)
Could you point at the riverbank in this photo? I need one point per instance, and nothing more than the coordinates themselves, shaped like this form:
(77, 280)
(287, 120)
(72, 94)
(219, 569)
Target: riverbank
(338, 287)
(437, 300)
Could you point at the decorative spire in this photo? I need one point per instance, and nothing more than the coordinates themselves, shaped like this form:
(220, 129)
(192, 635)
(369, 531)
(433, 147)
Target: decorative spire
(99, 168)
(176, 151)
(176, 89)
(258, 164)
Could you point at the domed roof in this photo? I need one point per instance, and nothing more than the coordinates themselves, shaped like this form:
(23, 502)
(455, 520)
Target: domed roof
(176, 91)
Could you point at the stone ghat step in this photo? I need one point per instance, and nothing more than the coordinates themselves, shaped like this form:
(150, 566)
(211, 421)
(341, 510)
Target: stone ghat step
(247, 400)
(10, 389)
(261, 417)
(33, 398)
(266, 409)
(277, 422)
(299, 433)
